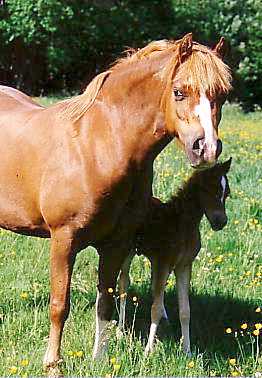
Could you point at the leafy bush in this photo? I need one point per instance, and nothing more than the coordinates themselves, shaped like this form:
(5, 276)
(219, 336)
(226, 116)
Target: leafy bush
(49, 45)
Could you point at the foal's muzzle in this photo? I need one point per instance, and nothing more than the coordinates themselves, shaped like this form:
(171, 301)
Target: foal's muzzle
(218, 221)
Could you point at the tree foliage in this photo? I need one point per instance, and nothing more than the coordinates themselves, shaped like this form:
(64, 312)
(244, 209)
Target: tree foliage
(49, 45)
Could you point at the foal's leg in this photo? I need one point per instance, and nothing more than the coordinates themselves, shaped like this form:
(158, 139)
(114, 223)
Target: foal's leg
(124, 282)
(160, 273)
(109, 267)
(62, 259)
(183, 276)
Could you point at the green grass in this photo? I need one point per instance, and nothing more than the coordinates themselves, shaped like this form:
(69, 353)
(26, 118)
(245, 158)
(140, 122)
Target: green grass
(226, 285)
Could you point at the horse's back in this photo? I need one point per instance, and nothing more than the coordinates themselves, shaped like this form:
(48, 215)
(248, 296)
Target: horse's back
(12, 97)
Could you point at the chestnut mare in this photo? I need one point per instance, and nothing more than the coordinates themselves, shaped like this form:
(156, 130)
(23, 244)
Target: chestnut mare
(81, 170)
(170, 238)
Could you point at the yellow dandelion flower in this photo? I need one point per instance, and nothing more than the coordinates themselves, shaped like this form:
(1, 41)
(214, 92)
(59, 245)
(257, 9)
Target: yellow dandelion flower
(236, 221)
(228, 330)
(232, 361)
(113, 360)
(191, 364)
(13, 370)
(256, 332)
(24, 362)
(24, 295)
(243, 326)
(79, 353)
(219, 259)
(258, 325)
(134, 299)
(235, 373)
(110, 290)
(117, 367)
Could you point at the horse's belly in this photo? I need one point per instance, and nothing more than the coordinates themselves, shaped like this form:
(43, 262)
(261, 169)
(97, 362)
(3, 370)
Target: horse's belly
(21, 216)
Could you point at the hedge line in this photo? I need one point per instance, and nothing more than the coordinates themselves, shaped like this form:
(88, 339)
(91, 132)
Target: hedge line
(54, 45)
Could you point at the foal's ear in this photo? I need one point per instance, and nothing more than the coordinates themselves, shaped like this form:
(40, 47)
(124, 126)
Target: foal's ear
(226, 165)
(221, 48)
(185, 48)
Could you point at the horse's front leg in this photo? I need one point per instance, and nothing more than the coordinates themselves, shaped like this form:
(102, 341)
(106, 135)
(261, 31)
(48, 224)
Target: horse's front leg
(183, 276)
(110, 262)
(62, 257)
(160, 273)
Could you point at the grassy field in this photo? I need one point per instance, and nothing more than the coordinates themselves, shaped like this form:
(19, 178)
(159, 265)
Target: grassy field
(226, 294)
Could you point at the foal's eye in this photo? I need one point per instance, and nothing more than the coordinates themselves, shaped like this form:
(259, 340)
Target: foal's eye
(212, 104)
(179, 96)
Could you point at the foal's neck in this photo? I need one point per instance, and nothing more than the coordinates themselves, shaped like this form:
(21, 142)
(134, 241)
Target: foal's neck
(186, 206)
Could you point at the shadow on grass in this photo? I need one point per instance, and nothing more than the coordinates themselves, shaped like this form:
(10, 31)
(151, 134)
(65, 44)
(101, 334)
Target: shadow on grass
(210, 316)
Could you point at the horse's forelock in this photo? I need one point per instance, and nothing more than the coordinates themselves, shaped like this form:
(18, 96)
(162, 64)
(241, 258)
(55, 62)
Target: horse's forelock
(204, 72)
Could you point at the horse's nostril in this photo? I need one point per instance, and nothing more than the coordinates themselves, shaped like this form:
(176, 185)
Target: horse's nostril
(219, 148)
(198, 144)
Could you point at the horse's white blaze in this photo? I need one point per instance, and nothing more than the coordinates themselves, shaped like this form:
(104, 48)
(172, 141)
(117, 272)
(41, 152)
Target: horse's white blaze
(203, 111)
(223, 184)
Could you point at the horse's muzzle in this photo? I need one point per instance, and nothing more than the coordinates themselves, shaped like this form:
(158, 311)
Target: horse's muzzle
(203, 155)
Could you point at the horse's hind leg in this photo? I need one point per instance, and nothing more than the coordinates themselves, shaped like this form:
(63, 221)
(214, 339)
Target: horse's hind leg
(124, 282)
(110, 263)
(62, 259)
(183, 276)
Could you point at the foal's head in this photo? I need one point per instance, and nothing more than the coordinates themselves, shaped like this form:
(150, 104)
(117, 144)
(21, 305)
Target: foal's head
(213, 191)
(198, 83)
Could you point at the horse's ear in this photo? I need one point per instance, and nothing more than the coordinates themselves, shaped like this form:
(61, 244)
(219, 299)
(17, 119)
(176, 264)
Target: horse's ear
(226, 165)
(185, 48)
(221, 48)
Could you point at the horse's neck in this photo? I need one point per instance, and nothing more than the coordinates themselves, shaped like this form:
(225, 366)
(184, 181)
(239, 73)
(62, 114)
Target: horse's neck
(134, 94)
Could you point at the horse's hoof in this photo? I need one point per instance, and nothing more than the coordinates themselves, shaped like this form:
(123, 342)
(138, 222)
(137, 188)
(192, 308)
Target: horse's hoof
(119, 333)
(148, 350)
(99, 352)
(53, 369)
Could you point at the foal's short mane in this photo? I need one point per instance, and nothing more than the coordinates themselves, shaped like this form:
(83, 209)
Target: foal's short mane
(202, 63)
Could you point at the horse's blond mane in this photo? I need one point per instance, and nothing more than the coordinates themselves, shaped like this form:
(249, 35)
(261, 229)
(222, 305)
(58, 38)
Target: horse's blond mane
(133, 55)
(203, 71)
(75, 107)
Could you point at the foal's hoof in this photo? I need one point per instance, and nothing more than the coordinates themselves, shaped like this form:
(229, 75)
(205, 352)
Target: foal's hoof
(188, 353)
(53, 369)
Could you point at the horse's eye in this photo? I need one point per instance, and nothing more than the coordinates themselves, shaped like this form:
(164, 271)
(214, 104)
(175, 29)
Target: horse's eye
(178, 95)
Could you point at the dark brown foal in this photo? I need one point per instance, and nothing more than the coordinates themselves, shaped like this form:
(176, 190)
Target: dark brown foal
(170, 238)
